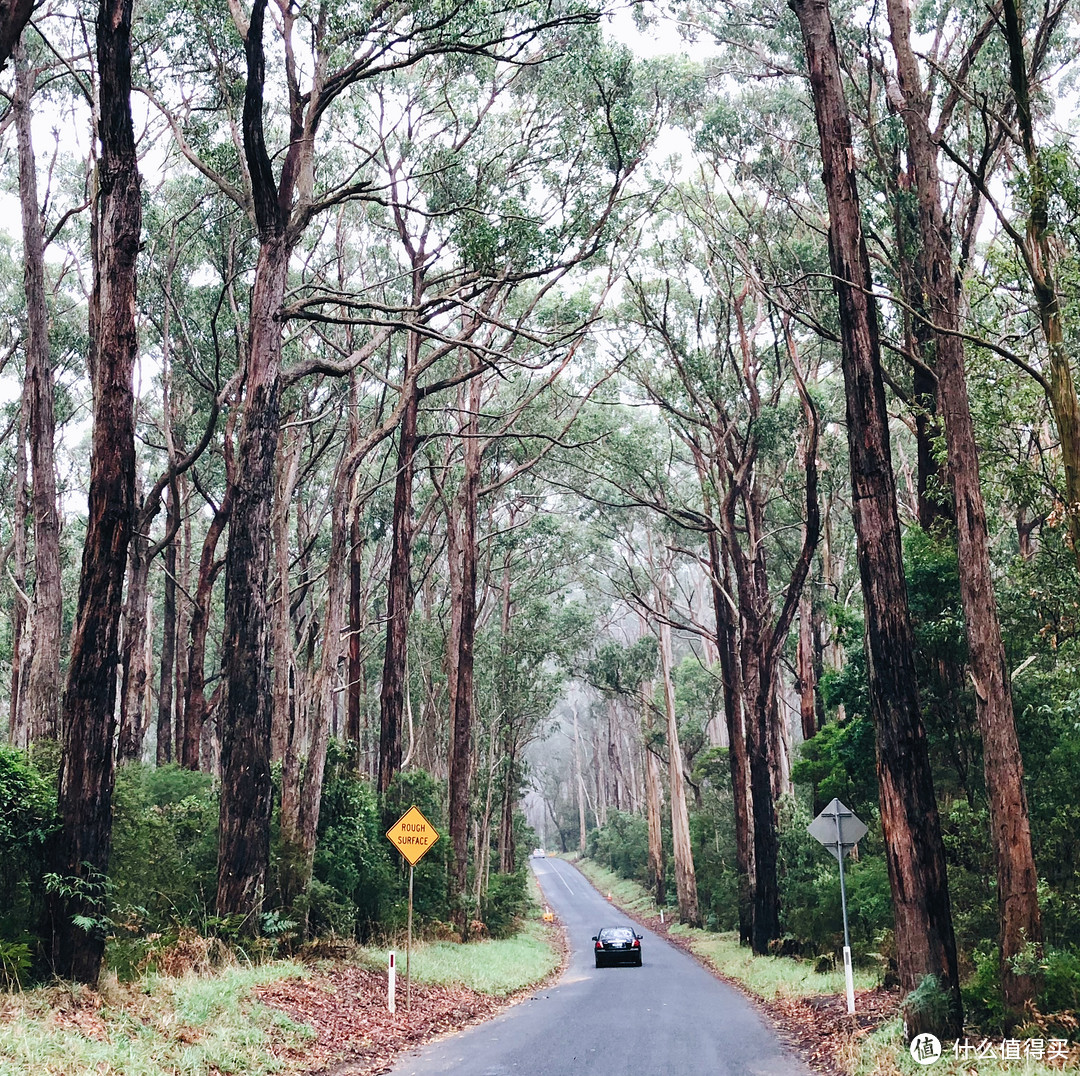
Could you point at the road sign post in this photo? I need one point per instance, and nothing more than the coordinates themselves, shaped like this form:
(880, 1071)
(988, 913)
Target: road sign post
(412, 835)
(839, 830)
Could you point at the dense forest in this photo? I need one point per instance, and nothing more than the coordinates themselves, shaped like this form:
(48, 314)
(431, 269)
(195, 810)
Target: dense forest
(473, 405)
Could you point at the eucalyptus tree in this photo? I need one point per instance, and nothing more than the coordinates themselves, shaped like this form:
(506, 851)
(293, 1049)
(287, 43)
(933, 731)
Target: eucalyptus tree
(1030, 39)
(914, 850)
(321, 49)
(1002, 762)
(35, 702)
(81, 852)
(723, 366)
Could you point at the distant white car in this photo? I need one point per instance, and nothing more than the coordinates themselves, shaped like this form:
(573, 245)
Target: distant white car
(539, 853)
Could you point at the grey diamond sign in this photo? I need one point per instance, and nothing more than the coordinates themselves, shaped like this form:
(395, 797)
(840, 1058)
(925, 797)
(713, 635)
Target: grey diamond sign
(838, 828)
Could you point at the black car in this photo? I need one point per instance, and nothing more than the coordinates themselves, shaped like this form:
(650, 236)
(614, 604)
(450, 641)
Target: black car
(617, 945)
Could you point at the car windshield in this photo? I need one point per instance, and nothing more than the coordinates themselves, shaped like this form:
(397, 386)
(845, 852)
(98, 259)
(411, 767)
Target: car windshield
(617, 934)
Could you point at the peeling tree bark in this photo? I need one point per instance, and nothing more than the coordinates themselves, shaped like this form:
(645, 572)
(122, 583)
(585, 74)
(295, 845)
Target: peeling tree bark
(399, 593)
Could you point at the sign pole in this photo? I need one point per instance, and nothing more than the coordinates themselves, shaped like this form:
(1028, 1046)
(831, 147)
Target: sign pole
(849, 979)
(408, 950)
(412, 835)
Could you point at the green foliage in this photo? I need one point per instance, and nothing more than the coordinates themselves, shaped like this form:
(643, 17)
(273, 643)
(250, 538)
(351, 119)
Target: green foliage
(932, 1001)
(622, 845)
(1060, 981)
(619, 670)
(809, 877)
(27, 819)
(16, 959)
(163, 868)
(353, 874)
(968, 851)
(839, 762)
(712, 838)
(504, 903)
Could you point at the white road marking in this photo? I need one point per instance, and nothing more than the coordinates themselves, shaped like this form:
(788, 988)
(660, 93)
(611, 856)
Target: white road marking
(558, 874)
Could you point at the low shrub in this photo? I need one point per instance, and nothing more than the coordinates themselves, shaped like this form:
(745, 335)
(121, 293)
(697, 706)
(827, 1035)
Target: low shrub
(505, 903)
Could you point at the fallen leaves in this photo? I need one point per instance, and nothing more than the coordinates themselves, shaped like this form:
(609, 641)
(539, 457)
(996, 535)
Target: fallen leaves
(353, 1031)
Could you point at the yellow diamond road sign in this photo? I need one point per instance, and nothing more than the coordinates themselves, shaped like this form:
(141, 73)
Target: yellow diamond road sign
(412, 835)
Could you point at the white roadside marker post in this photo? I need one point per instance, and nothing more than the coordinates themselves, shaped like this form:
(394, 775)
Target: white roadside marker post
(849, 979)
(391, 986)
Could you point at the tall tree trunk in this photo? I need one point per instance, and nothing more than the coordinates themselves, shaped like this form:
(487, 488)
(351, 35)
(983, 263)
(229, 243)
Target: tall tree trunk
(246, 789)
(507, 849)
(133, 668)
(399, 593)
(19, 729)
(300, 825)
(183, 626)
(580, 783)
(1018, 904)
(806, 679)
(287, 722)
(685, 878)
(738, 759)
(462, 641)
(757, 695)
(355, 679)
(913, 846)
(195, 698)
(88, 724)
(42, 686)
(1039, 262)
(653, 805)
(168, 637)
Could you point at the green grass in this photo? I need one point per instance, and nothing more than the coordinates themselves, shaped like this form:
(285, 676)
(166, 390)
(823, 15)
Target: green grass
(188, 1026)
(497, 967)
(627, 894)
(769, 977)
(206, 1025)
(884, 1053)
(491, 967)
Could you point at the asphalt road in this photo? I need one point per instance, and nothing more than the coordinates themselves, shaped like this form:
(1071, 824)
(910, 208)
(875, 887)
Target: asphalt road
(668, 1018)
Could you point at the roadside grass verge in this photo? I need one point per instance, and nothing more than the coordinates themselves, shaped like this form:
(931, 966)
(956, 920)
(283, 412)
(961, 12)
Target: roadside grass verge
(769, 977)
(884, 1053)
(498, 967)
(625, 893)
(188, 1026)
(213, 1024)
